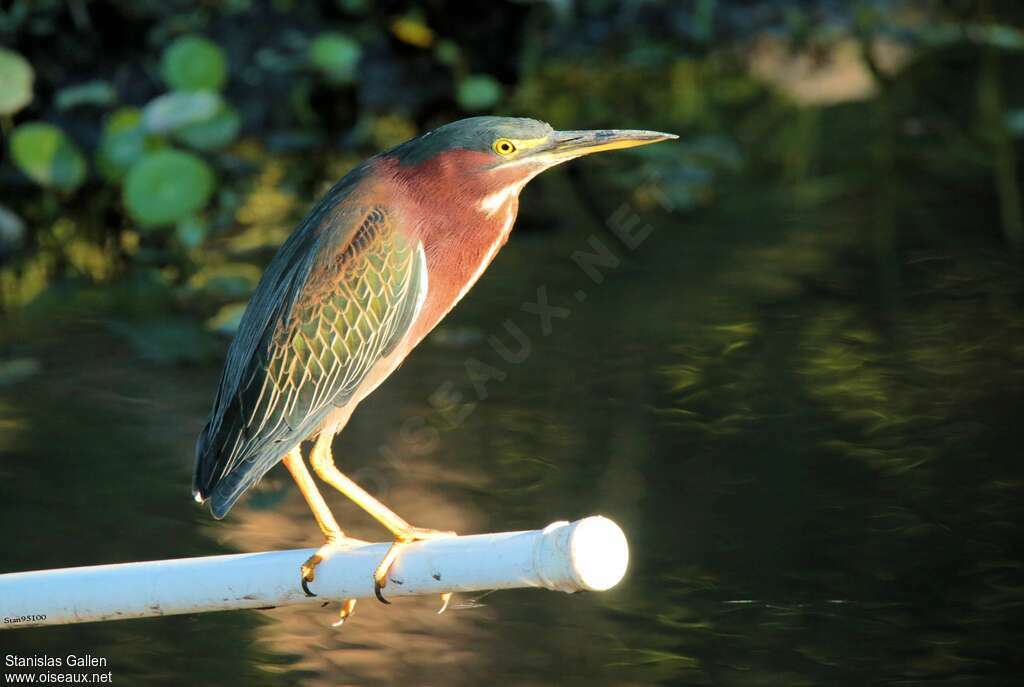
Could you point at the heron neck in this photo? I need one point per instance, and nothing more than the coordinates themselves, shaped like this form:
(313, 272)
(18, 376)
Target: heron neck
(462, 222)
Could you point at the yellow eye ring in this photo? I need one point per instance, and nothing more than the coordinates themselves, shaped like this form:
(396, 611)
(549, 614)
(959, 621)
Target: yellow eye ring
(503, 146)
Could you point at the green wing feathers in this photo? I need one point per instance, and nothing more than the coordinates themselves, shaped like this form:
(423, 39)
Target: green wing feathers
(348, 309)
(346, 321)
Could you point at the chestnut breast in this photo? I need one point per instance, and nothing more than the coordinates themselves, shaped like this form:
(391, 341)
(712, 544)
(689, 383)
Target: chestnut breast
(462, 220)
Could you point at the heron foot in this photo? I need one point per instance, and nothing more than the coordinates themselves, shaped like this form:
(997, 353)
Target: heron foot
(348, 607)
(446, 597)
(403, 539)
(308, 572)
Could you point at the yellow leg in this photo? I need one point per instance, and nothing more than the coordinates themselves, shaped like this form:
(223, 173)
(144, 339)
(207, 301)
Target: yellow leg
(324, 519)
(322, 461)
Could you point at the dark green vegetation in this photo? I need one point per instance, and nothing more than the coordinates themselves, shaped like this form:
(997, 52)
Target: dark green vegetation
(800, 394)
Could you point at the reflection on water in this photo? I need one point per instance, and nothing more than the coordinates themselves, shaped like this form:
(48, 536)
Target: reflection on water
(820, 485)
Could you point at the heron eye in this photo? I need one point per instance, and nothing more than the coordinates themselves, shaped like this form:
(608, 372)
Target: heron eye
(503, 146)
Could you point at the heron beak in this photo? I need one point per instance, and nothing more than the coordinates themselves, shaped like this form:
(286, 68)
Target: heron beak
(569, 144)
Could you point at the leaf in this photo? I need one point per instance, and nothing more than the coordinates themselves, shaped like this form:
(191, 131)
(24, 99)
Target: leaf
(413, 30)
(447, 52)
(336, 55)
(47, 156)
(167, 186)
(215, 132)
(998, 36)
(12, 231)
(174, 110)
(194, 63)
(355, 6)
(478, 92)
(190, 231)
(18, 370)
(1015, 123)
(16, 77)
(88, 93)
(122, 143)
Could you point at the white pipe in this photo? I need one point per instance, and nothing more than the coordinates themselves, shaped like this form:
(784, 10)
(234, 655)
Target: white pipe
(589, 554)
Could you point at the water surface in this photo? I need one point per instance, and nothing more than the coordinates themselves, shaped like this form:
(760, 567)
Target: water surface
(820, 477)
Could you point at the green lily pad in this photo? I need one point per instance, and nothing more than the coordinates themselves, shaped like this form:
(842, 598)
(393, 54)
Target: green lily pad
(447, 52)
(16, 76)
(18, 370)
(47, 156)
(190, 232)
(213, 133)
(194, 63)
(1015, 123)
(123, 142)
(355, 6)
(167, 186)
(999, 36)
(178, 109)
(478, 92)
(88, 93)
(12, 231)
(336, 55)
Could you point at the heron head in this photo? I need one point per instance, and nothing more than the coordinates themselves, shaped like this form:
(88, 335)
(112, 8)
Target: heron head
(504, 148)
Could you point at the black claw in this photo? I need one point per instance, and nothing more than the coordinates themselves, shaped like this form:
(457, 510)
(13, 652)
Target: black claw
(305, 587)
(377, 592)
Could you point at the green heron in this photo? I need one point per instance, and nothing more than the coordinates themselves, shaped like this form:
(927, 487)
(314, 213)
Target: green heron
(389, 250)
